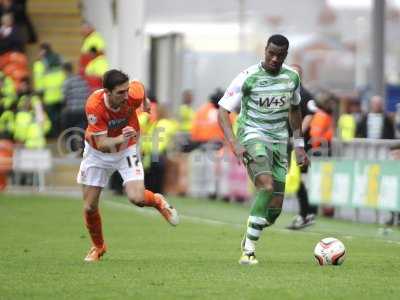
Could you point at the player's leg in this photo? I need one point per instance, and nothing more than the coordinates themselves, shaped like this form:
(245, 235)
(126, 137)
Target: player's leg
(91, 195)
(279, 171)
(139, 196)
(258, 167)
(131, 170)
(93, 176)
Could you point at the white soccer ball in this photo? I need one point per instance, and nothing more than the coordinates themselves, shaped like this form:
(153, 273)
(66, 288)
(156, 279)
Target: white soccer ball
(329, 251)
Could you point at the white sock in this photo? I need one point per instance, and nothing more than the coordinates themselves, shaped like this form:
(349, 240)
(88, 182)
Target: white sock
(249, 246)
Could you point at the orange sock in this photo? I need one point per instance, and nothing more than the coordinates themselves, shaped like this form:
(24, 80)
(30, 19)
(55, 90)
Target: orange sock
(151, 200)
(3, 181)
(93, 224)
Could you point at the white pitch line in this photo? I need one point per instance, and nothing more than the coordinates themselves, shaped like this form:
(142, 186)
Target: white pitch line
(153, 212)
(196, 219)
(126, 206)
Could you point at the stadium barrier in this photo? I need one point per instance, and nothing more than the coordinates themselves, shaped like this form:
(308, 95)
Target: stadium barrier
(364, 149)
(34, 161)
(355, 183)
(215, 172)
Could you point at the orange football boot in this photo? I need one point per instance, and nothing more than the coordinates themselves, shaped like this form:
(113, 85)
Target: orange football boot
(167, 211)
(95, 253)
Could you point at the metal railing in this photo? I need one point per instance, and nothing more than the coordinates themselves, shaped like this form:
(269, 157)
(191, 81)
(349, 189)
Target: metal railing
(367, 149)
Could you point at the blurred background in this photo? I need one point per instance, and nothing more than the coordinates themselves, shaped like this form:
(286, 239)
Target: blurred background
(53, 53)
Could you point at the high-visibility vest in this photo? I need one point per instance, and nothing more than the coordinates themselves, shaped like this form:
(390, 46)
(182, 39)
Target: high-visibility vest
(347, 127)
(321, 128)
(52, 86)
(97, 66)
(35, 137)
(186, 115)
(28, 131)
(93, 40)
(205, 125)
(7, 121)
(147, 120)
(39, 69)
(7, 102)
(158, 139)
(8, 92)
(23, 120)
(8, 88)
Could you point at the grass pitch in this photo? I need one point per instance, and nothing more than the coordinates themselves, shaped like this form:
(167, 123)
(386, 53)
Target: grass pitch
(43, 243)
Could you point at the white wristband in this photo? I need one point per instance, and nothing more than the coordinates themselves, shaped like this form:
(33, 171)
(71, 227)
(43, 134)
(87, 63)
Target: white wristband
(298, 143)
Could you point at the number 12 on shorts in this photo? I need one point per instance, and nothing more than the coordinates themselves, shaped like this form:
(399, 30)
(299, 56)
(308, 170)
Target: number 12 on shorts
(133, 158)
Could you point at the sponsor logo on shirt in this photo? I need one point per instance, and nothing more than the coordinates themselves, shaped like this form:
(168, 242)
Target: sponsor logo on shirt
(117, 123)
(272, 101)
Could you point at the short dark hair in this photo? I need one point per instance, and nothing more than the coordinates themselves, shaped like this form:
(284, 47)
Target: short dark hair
(278, 40)
(112, 78)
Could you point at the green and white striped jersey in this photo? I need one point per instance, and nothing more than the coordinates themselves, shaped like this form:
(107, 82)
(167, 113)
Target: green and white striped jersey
(264, 101)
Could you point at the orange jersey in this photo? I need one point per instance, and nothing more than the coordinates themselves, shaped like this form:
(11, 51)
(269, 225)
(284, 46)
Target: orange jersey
(102, 119)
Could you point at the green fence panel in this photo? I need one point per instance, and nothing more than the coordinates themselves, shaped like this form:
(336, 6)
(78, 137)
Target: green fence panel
(355, 183)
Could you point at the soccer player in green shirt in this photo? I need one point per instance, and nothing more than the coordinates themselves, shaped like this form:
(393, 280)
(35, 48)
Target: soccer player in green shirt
(268, 94)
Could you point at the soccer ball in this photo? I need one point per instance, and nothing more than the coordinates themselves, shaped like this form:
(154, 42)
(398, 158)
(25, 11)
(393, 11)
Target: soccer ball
(329, 251)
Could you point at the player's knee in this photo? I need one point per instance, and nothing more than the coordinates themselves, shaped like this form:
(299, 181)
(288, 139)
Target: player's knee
(90, 208)
(267, 186)
(265, 182)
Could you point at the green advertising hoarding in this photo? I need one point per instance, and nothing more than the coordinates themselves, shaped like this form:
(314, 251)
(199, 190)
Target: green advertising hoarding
(355, 183)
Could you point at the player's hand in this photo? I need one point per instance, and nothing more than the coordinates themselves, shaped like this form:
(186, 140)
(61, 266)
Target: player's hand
(239, 151)
(128, 133)
(301, 158)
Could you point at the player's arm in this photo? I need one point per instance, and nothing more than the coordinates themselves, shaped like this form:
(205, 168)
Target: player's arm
(228, 102)
(97, 126)
(226, 126)
(295, 119)
(296, 123)
(110, 144)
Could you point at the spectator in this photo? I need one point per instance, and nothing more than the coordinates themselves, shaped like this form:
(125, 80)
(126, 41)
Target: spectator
(92, 39)
(347, 122)
(186, 112)
(321, 126)
(75, 91)
(10, 36)
(186, 116)
(205, 127)
(48, 60)
(22, 20)
(7, 92)
(95, 69)
(48, 79)
(155, 150)
(376, 124)
(7, 118)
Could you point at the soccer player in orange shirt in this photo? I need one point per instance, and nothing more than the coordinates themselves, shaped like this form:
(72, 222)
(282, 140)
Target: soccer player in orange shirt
(111, 144)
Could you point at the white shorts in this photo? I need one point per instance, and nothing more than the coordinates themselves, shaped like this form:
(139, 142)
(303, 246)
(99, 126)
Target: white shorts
(97, 167)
